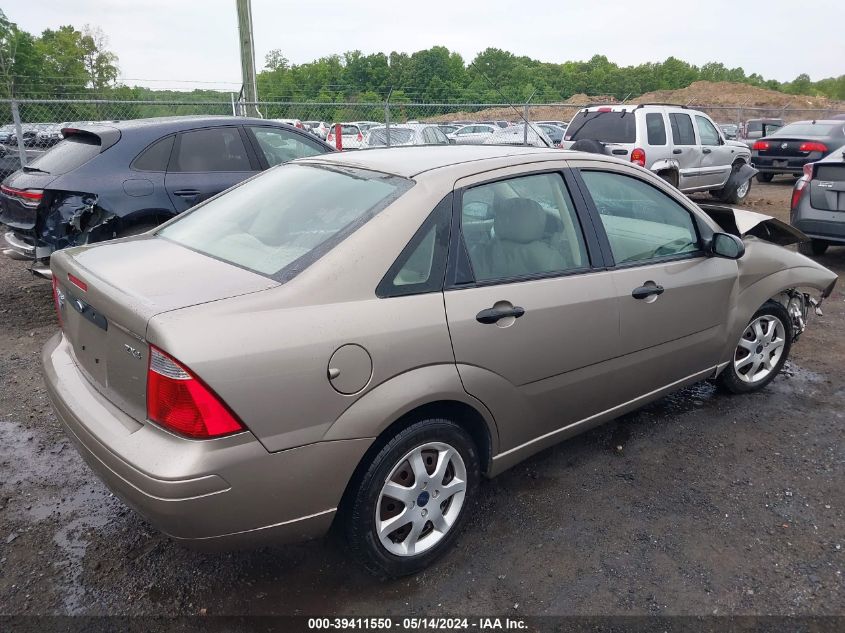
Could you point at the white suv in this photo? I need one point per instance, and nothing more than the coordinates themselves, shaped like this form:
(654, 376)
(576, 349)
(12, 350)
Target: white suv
(683, 146)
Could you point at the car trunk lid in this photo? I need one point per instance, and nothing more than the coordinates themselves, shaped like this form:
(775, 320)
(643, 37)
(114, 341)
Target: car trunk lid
(17, 208)
(786, 147)
(827, 188)
(108, 294)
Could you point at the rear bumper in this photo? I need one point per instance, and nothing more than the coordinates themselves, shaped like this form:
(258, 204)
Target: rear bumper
(228, 492)
(818, 223)
(790, 164)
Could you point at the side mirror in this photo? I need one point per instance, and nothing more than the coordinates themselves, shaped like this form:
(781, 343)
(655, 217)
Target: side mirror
(727, 246)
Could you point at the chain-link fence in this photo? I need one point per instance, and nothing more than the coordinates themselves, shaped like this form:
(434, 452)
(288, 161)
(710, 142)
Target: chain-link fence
(31, 126)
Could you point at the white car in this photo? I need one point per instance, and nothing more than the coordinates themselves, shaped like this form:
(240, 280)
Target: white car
(473, 134)
(318, 128)
(516, 134)
(294, 122)
(405, 134)
(352, 136)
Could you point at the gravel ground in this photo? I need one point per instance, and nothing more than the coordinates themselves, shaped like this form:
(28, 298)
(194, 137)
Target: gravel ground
(700, 503)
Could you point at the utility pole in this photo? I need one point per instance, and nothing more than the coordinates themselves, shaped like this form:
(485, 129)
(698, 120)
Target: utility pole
(250, 87)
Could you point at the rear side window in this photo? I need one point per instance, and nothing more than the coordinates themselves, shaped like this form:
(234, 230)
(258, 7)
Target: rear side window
(213, 149)
(279, 146)
(655, 128)
(609, 127)
(280, 222)
(682, 132)
(155, 157)
(421, 265)
(68, 154)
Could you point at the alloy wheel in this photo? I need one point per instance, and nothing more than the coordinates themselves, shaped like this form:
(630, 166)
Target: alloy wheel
(421, 499)
(759, 349)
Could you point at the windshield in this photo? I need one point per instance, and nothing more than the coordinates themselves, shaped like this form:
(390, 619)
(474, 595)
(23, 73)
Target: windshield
(807, 129)
(608, 127)
(67, 155)
(280, 222)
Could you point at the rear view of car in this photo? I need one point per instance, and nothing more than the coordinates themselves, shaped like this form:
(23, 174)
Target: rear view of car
(794, 145)
(818, 204)
(352, 136)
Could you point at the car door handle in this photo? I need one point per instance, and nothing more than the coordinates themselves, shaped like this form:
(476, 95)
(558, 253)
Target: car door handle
(706, 151)
(677, 151)
(493, 315)
(644, 292)
(186, 193)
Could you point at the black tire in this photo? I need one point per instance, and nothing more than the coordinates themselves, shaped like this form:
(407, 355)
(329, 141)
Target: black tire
(589, 145)
(669, 176)
(730, 380)
(734, 196)
(360, 506)
(761, 177)
(813, 248)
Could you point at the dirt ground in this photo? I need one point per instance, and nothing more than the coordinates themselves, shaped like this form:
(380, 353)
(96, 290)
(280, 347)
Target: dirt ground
(701, 503)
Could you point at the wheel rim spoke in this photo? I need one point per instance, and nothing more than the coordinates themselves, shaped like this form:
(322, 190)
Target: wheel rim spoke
(760, 349)
(400, 493)
(443, 459)
(386, 528)
(414, 536)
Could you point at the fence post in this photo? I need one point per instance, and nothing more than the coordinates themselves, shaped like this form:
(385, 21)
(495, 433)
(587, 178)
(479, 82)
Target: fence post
(16, 117)
(525, 124)
(387, 116)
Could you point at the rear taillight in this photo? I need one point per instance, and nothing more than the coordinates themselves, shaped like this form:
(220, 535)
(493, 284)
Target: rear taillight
(27, 197)
(181, 402)
(812, 146)
(58, 300)
(330, 137)
(801, 185)
(760, 146)
(360, 137)
(605, 110)
(299, 124)
(638, 157)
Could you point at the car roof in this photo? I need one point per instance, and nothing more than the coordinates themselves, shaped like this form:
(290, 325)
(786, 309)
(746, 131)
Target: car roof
(409, 162)
(173, 123)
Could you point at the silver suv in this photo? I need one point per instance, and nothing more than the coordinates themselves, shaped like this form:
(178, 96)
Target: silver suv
(682, 146)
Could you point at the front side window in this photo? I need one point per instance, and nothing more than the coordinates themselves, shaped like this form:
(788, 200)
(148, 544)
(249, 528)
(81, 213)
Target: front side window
(279, 222)
(682, 132)
(522, 227)
(213, 149)
(707, 132)
(279, 146)
(641, 222)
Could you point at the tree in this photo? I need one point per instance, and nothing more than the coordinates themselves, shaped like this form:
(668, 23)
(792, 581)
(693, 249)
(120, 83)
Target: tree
(99, 62)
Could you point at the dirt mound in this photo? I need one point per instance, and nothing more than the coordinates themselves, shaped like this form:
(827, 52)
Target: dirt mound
(722, 100)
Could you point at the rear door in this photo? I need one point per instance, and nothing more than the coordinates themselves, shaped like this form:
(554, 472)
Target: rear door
(207, 161)
(673, 299)
(531, 318)
(716, 157)
(686, 150)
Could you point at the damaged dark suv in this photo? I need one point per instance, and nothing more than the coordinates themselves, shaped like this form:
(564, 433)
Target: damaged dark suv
(105, 181)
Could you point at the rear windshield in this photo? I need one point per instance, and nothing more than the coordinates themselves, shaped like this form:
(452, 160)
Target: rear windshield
(280, 222)
(609, 127)
(808, 129)
(348, 130)
(400, 135)
(68, 154)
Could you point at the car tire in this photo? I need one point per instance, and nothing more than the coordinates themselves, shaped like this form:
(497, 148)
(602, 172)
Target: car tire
(739, 194)
(588, 145)
(381, 546)
(760, 352)
(670, 176)
(761, 177)
(812, 247)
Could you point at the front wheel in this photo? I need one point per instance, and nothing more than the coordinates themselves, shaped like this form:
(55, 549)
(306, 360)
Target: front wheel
(739, 194)
(761, 351)
(412, 501)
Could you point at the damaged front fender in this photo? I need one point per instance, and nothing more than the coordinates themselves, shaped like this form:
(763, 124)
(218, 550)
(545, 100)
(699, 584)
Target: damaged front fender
(743, 223)
(74, 219)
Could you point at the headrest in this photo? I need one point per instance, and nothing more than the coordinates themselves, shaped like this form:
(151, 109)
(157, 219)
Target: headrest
(519, 220)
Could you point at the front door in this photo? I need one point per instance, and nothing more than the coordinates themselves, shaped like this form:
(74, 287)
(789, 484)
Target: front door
(716, 157)
(685, 150)
(673, 299)
(531, 319)
(205, 162)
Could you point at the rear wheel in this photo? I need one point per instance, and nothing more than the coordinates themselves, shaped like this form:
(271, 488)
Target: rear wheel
(412, 501)
(761, 351)
(761, 177)
(812, 247)
(670, 176)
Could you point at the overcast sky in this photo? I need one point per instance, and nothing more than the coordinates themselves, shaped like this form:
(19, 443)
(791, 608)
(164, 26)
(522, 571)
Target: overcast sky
(174, 41)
